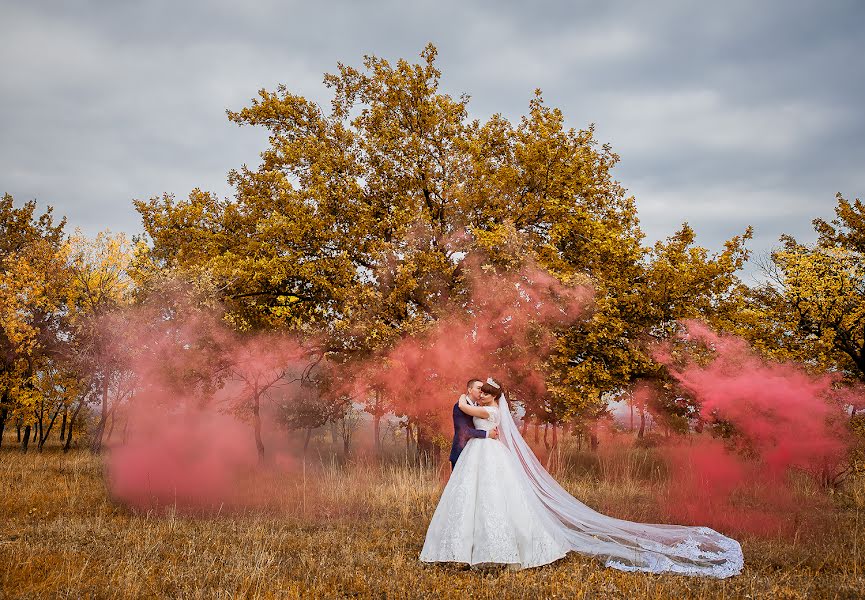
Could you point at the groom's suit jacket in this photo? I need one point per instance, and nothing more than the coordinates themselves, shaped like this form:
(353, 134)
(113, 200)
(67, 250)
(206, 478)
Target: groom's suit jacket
(463, 431)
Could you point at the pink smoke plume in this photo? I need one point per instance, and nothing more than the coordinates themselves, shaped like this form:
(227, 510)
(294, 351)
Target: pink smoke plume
(504, 330)
(198, 385)
(190, 427)
(194, 463)
(782, 419)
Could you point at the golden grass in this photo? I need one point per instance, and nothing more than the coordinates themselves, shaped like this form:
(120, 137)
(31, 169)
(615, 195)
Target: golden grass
(354, 531)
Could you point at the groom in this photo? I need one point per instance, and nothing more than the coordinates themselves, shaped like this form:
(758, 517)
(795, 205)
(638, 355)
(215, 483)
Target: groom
(463, 429)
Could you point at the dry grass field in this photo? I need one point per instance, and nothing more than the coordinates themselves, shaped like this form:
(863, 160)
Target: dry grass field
(354, 531)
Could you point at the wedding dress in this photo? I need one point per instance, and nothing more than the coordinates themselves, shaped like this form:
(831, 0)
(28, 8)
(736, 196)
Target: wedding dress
(501, 506)
(488, 514)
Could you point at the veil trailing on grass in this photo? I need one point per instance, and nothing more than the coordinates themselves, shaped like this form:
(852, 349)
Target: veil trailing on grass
(623, 545)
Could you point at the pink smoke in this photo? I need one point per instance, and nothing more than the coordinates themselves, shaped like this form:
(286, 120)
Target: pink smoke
(783, 420)
(193, 465)
(504, 330)
(190, 439)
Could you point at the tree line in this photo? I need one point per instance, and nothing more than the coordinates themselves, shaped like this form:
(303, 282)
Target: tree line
(365, 225)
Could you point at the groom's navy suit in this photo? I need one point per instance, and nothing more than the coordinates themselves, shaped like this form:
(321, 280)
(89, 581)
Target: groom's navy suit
(463, 430)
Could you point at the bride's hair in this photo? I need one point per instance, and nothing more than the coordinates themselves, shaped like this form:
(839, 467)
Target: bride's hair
(489, 388)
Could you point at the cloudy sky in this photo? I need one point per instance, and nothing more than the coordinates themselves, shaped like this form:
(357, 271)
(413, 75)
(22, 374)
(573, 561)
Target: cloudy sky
(724, 114)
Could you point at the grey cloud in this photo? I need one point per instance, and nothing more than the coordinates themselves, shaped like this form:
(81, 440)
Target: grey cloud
(723, 114)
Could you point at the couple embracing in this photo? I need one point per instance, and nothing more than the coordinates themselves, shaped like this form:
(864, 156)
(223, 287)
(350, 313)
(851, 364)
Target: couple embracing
(501, 507)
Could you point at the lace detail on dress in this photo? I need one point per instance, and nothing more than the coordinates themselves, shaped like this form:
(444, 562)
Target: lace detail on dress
(491, 422)
(691, 556)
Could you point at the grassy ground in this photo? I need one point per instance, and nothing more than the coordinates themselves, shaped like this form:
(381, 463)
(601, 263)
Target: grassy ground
(352, 531)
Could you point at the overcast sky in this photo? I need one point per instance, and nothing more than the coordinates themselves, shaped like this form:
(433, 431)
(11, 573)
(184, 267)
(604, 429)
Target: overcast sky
(724, 114)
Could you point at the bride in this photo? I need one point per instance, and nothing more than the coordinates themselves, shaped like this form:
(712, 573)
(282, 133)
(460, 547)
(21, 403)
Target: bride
(500, 506)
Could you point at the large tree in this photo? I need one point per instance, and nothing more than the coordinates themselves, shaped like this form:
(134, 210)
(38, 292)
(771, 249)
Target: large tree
(814, 301)
(639, 304)
(368, 222)
(34, 288)
(360, 221)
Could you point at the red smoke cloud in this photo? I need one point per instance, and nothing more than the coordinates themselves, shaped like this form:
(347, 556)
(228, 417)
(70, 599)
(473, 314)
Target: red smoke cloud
(192, 459)
(504, 330)
(781, 419)
(190, 438)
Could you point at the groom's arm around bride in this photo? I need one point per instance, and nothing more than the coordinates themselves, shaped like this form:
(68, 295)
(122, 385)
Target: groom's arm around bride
(463, 424)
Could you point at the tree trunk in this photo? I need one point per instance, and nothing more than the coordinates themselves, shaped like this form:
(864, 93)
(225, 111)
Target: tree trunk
(37, 429)
(555, 437)
(524, 426)
(546, 436)
(43, 437)
(306, 441)
(3, 413)
(376, 421)
(333, 434)
(96, 443)
(407, 440)
(111, 426)
(25, 441)
(642, 423)
(537, 428)
(63, 424)
(346, 439)
(632, 415)
(376, 428)
(256, 422)
(425, 447)
(74, 416)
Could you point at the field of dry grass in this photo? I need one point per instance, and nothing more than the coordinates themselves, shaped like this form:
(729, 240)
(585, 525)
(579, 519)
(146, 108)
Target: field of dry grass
(353, 531)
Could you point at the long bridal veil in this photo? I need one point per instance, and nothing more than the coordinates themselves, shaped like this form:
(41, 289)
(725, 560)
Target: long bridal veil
(624, 545)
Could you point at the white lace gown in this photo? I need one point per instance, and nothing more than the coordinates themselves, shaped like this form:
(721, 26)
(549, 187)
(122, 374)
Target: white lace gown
(487, 514)
(501, 507)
